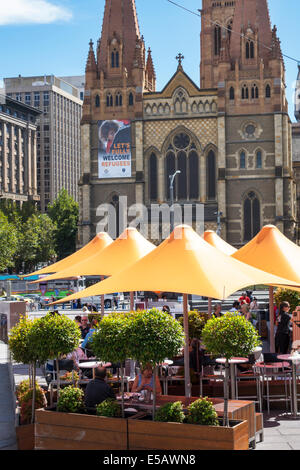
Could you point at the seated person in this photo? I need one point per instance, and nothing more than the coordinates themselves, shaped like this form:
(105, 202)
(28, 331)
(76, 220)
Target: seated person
(85, 327)
(144, 381)
(97, 390)
(76, 356)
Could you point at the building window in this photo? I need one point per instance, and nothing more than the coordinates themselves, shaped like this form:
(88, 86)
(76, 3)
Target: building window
(268, 91)
(115, 61)
(245, 92)
(97, 101)
(231, 93)
(254, 92)
(217, 39)
(251, 211)
(119, 99)
(182, 181)
(194, 174)
(242, 160)
(211, 175)
(249, 50)
(259, 159)
(153, 177)
(109, 100)
(130, 99)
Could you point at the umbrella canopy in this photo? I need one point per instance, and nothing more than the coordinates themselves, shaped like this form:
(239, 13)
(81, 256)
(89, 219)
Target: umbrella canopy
(273, 252)
(213, 239)
(97, 244)
(125, 250)
(183, 263)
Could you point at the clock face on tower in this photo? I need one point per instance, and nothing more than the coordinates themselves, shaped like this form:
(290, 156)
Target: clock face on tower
(181, 141)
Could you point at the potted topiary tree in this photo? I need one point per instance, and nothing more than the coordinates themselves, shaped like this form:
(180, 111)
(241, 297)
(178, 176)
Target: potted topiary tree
(153, 337)
(110, 342)
(229, 336)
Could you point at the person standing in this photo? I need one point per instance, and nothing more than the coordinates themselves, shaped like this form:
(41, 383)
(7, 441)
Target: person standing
(282, 337)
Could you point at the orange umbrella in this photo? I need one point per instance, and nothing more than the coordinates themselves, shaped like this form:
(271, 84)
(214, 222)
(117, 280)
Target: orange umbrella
(213, 239)
(184, 262)
(273, 252)
(125, 250)
(98, 243)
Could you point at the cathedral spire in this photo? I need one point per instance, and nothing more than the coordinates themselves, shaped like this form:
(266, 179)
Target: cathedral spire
(252, 20)
(120, 32)
(91, 67)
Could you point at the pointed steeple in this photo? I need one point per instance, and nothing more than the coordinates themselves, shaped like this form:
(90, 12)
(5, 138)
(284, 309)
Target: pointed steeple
(150, 72)
(120, 29)
(91, 65)
(91, 68)
(251, 15)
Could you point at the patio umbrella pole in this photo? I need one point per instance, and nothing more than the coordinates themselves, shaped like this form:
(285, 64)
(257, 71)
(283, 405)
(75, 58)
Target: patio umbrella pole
(187, 378)
(131, 301)
(271, 314)
(102, 301)
(209, 307)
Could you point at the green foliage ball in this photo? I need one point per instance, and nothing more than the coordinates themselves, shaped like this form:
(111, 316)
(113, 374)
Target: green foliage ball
(170, 413)
(202, 412)
(230, 336)
(109, 408)
(70, 400)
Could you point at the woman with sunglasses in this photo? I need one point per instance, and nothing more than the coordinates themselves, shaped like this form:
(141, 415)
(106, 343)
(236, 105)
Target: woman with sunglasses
(282, 337)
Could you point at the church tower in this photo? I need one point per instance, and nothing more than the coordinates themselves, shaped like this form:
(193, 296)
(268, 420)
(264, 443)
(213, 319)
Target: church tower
(241, 58)
(118, 72)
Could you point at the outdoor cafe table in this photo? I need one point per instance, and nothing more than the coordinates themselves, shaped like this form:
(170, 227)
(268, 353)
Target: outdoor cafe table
(233, 363)
(93, 365)
(294, 360)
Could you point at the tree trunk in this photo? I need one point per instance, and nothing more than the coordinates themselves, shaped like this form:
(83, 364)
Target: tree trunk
(122, 390)
(33, 393)
(226, 387)
(154, 391)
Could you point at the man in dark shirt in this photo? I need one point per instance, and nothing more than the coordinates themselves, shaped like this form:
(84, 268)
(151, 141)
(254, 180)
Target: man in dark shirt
(98, 390)
(84, 328)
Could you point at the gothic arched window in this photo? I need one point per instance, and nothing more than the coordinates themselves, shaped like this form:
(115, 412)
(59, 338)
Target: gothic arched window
(249, 50)
(242, 160)
(211, 175)
(182, 181)
(97, 101)
(119, 99)
(130, 99)
(258, 159)
(109, 100)
(115, 59)
(245, 92)
(254, 92)
(153, 177)
(268, 91)
(217, 39)
(194, 174)
(231, 93)
(182, 156)
(251, 212)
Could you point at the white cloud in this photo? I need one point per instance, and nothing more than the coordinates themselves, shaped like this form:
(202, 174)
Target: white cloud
(31, 11)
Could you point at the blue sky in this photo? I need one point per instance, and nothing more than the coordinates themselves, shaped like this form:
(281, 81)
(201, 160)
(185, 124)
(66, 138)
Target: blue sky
(52, 36)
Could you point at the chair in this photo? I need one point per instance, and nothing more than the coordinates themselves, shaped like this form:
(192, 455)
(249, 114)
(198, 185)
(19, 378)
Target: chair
(251, 376)
(274, 374)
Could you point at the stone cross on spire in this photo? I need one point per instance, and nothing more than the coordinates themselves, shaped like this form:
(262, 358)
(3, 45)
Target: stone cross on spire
(180, 58)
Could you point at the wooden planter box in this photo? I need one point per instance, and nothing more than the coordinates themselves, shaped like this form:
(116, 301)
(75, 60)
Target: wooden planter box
(25, 436)
(148, 435)
(71, 431)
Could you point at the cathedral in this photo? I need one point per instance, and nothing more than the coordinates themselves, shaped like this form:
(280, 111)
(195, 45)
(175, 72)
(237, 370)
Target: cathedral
(230, 136)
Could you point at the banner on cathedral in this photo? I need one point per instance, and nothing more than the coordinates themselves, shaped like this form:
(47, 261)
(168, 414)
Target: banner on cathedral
(114, 150)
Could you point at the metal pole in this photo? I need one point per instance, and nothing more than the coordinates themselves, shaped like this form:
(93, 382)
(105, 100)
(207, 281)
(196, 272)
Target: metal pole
(186, 348)
(271, 314)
